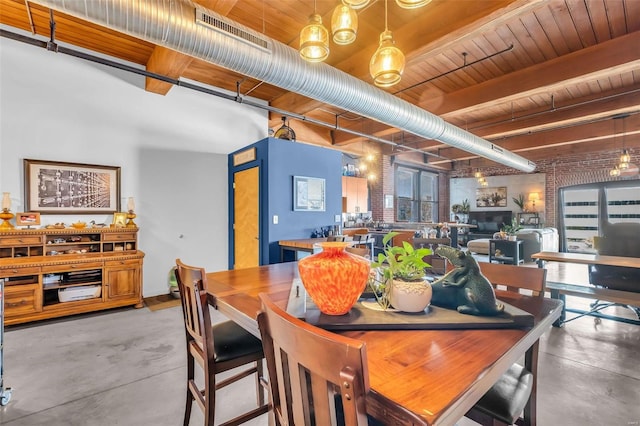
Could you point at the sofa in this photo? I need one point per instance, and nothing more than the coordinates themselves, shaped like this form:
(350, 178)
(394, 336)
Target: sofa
(534, 241)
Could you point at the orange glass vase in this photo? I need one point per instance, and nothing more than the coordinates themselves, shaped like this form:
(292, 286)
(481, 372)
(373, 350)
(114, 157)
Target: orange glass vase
(334, 278)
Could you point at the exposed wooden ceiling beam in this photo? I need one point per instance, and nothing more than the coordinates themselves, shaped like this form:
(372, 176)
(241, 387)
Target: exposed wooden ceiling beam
(168, 63)
(603, 59)
(606, 132)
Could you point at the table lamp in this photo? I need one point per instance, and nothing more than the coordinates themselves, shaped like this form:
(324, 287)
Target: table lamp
(130, 214)
(533, 197)
(6, 215)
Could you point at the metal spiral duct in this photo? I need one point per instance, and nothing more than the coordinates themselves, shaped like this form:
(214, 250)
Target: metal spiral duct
(193, 30)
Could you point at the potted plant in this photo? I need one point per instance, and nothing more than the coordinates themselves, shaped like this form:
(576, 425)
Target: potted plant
(519, 201)
(400, 278)
(511, 229)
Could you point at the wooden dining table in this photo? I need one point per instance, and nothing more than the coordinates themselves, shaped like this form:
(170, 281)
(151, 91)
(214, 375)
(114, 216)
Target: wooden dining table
(417, 377)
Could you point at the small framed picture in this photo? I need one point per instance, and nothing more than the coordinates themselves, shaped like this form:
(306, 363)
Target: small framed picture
(119, 220)
(28, 219)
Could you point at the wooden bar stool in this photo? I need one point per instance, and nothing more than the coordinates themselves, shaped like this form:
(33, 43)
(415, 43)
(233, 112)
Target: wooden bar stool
(216, 348)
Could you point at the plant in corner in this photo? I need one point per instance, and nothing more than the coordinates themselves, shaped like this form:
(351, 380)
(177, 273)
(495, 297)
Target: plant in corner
(401, 277)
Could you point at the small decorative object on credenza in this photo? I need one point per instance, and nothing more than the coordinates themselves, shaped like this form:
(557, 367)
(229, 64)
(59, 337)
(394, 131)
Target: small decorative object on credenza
(6, 214)
(464, 288)
(130, 214)
(28, 219)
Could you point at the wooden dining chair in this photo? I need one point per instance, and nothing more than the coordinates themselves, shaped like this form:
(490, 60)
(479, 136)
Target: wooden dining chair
(438, 263)
(512, 399)
(360, 251)
(316, 377)
(216, 348)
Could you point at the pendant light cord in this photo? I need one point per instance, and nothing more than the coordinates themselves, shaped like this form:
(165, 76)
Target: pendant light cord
(386, 4)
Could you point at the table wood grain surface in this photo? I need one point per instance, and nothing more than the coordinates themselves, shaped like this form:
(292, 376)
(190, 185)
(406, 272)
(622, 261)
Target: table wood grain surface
(588, 259)
(425, 377)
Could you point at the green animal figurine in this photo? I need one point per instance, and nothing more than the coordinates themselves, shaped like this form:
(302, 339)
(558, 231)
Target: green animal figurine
(464, 288)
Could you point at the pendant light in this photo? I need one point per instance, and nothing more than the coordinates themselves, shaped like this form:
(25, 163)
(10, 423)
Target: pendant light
(314, 39)
(344, 24)
(387, 64)
(625, 158)
(355, 4)
(615, 172)
(412, 4)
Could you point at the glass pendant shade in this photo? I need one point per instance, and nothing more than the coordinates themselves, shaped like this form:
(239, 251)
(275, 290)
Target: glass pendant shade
(344, 24)
(412, 4)
(614, 172)
(314, 40)
(625, 157)
(387, 64)
(355, 4)
(623, 166)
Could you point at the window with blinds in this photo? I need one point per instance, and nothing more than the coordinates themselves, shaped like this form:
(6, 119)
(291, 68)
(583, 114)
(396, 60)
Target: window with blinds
(585, 209)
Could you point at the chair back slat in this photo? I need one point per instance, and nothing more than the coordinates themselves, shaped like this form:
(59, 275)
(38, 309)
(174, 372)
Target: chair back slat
(515, 278)
(315, 375)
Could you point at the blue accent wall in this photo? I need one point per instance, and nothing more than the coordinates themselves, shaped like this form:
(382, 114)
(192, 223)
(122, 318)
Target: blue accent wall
(280, 160)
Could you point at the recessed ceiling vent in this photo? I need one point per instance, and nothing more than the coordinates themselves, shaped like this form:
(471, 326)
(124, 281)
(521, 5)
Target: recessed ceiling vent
(204, 19)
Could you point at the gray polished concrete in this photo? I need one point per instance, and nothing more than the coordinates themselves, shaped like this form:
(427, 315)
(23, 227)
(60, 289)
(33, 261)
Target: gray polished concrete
(126, 367)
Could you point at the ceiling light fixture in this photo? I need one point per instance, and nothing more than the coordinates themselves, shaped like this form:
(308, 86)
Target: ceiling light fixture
(344, 24)
(314, 39)
(624, 167)
(412, 4)
(356, 4)
(387, 64)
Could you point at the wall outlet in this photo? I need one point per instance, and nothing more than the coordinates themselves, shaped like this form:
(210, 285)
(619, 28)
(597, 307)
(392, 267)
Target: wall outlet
(338, 218)
(275, 219)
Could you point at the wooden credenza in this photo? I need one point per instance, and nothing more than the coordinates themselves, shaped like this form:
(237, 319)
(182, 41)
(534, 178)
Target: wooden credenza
(52, 273)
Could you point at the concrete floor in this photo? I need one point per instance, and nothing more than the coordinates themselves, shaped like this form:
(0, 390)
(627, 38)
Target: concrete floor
(126, 367)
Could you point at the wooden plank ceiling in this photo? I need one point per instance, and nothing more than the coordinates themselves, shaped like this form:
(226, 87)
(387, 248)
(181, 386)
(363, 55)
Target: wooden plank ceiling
(539, 77)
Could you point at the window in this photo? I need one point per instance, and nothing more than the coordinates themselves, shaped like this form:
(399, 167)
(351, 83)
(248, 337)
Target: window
(416, 195)
(584, 209)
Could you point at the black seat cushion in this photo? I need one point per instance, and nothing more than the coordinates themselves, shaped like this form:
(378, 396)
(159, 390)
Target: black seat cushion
(508, 396)
(232, 341)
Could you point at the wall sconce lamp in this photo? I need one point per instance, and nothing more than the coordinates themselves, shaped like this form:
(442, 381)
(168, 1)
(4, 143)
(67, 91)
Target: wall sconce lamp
(533, 197)
(6, 215)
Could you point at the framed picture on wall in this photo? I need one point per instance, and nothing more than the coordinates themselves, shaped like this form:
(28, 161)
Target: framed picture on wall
(491, 197)
(71, 188)
(308, 194)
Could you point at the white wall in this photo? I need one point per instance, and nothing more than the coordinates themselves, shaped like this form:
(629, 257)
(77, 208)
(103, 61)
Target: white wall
(172, 149)
(461, 188)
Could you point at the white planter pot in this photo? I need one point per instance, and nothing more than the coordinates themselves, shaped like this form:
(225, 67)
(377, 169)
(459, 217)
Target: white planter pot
(512, 237)
(414, 296)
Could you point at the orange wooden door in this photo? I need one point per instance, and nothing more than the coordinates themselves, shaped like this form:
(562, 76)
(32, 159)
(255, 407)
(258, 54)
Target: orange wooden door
(246, 217)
